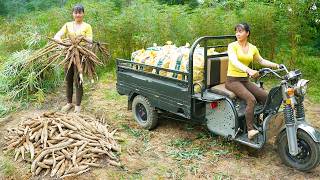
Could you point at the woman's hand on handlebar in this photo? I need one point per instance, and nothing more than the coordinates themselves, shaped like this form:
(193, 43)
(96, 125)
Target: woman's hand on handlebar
(281, 66)
(253, 73)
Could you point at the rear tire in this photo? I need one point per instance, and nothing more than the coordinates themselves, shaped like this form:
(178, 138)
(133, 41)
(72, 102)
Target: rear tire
(144, 113)
(309, 155)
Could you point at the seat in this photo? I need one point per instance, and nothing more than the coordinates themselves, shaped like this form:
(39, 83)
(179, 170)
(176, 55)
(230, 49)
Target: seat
(217, 70)
(217, 75)
(222, 90)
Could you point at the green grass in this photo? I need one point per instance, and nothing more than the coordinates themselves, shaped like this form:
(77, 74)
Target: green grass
(220, 152)
(180, 143)
(7, 168)
(238, 155)
(123, 175)
(107, 74)
(7, 106)
(4, 109)
(176, 173)
(21, 83)
(118, 116)
(203, 145)
(111, 94)
(309, 66)
(133, 132)
(220, 176)
(202, 135)
(187, 154)
(142, 134)
(189, 127)
(313, 94)
(185, 149)
(313, 91)
(193, 168)
(135, 176)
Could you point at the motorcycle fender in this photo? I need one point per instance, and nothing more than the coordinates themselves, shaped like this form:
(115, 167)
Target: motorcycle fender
(313, 133)
(304, 126)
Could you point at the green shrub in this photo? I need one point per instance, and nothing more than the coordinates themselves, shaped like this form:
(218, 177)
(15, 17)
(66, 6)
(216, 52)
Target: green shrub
(22, 80)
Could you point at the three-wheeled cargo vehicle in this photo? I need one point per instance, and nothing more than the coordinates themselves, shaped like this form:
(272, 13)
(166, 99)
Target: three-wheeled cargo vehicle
(149, 94)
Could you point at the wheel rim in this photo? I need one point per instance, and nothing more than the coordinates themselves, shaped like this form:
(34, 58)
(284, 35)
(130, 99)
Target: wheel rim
(304, 154)
(141, 112)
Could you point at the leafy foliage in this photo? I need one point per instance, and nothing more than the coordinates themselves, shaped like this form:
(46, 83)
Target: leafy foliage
(20, 79)
(20, 7)
(277, 27)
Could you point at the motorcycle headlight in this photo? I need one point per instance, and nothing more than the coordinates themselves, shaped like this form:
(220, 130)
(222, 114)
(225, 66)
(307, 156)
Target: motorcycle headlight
(301, 88)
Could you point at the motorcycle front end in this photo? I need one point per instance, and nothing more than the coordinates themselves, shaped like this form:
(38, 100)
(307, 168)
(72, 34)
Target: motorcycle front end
(298, 144)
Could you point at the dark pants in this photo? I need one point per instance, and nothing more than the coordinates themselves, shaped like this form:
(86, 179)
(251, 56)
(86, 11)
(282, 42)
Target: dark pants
(71, 77)
(248, 91)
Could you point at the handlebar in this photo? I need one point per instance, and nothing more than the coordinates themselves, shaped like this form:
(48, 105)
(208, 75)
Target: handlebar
(282, 66)
(264, 71)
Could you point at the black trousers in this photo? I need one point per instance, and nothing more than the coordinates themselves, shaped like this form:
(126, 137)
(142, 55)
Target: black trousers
(72, 78)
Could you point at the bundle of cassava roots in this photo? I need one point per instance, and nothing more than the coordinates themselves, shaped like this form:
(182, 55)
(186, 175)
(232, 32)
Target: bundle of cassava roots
(62, 145)
(75, 51)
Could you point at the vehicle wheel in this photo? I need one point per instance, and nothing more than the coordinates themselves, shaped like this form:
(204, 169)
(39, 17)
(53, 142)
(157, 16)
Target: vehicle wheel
(309, 151)
(144, 113)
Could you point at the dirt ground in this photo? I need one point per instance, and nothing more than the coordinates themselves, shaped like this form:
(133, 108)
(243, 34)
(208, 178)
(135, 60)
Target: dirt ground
(174, 150)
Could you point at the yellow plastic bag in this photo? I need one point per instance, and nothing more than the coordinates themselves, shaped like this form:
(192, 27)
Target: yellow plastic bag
(171, 57)
(150, 60)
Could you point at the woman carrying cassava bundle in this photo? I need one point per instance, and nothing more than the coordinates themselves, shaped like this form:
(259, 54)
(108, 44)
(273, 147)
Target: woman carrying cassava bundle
(241, 53)
(74, 29)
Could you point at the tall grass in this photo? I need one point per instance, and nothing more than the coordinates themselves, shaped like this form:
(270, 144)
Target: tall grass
(310, 67)
(21, 80)
(142, 23)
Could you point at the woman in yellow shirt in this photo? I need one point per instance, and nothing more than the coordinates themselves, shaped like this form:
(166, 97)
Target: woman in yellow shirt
(241, 53)
(73, 29)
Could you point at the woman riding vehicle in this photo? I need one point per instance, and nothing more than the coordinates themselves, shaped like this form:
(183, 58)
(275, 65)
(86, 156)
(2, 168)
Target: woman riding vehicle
(242, 53)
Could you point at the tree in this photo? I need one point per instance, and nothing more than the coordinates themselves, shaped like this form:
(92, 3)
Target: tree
(191, 3)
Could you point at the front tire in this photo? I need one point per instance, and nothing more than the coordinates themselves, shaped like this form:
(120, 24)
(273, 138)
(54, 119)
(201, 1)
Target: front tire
(144, 113)
(309, 151)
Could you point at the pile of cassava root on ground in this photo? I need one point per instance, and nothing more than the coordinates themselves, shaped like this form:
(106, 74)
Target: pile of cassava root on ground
(62, 145)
